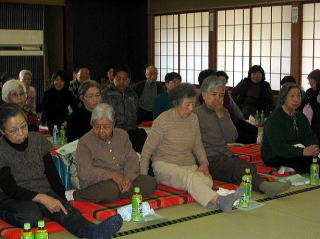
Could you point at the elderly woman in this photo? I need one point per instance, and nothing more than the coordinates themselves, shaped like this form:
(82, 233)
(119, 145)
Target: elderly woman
(108, 167)
(288, 139)
(174, 145)
(25, 76)
(253, 93)
(30, 187)
(14, 91)
(58, 101)
(312, 108)
(79, 122)
(217, 129)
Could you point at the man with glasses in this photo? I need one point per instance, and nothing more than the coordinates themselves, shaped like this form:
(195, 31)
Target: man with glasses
(217, 130)
(124, 101)
(147, 90)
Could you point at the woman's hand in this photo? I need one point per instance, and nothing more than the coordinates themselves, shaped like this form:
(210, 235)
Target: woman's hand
(52, 204)
(204, 169)
(123, 182)
(312, 150)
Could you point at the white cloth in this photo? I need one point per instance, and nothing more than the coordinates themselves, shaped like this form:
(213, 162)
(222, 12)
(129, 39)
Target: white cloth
(126, 211)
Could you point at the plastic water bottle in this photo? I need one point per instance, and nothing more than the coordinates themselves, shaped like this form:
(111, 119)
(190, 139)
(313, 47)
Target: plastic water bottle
(262, 119)
(257, 117)
(249, 180)
(136, 205)
(27, 233)
(314, 172)
(63, 139)
(56, 135)
(41, 232)
(244, 200)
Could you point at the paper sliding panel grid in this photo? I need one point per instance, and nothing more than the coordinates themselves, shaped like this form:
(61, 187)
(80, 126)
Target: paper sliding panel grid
(233, 35)
(310, 41)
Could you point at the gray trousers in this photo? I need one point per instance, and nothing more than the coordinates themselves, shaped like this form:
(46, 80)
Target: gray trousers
(108, 191)
(231, 169)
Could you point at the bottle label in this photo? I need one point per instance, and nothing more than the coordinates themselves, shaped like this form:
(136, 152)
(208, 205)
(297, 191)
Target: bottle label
(137, 207)
(27, 235)
(41, 234)
(314, 174)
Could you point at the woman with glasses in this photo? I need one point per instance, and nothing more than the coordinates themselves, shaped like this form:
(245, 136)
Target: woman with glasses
(14, 91)
(178, 157)
(58, 101)
(79, 122)
(108, 167)
(288, 139)
(30, 187)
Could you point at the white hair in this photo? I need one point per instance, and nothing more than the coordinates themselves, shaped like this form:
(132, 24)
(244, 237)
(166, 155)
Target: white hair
(24, 72)
(9, 86)
(102, 111)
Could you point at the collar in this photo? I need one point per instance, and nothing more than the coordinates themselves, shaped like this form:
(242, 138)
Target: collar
(18, 147)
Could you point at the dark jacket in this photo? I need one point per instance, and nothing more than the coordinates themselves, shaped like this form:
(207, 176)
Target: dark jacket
(78, 124)
(265, 101)
(139, 86)
(125, 105)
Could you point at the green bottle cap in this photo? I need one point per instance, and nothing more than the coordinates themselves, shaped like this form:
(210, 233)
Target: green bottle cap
(26, 226)
(136, 189)
(247, 170)
(41, 223)
(314, 160)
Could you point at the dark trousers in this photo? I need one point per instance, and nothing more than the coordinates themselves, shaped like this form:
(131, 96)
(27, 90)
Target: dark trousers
(299, 164)
(144, 115)
(231, 169)
(108, 191)
(17, 212)
(247, 133)
(137, 137)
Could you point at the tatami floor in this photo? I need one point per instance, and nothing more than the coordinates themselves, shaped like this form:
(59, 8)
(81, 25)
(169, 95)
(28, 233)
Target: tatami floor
(294, 215)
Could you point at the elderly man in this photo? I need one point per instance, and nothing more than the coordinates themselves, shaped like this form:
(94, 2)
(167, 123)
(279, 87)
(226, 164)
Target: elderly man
(25, 76)
(147, 90)
(217, 130)
(82, 74)
(125, 102)
(108, 167)
(162, 101)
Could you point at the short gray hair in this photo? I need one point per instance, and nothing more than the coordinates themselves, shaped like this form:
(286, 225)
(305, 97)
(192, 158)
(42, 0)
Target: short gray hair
(284, 91)
(181, 92)
(9, 86)
(102, 111)
(87, 85)
(24, 72)
(212, 81)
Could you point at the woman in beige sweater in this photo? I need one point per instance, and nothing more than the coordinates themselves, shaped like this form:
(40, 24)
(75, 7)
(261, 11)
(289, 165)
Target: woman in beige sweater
(174, 146)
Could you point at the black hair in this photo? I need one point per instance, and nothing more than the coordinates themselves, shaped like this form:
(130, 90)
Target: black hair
(77, 68)
(287, 79)
(123, 68)
(204, 74)
(8, 110)
(171, 76)
(222, 73)
(256, 68)
(62, 75)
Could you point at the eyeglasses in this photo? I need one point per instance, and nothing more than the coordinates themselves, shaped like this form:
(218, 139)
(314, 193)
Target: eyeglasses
(90, 97)
(221, 95)
(14, 131)
(102, 126)
(18, 94)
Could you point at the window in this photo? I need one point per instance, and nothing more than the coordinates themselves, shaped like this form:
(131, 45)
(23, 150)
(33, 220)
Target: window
(233, 43)
(270, 42)
(181, 44)
(310, 41)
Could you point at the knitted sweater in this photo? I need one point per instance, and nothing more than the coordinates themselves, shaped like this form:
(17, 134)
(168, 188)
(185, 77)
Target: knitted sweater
(173, 140)
(280, 135)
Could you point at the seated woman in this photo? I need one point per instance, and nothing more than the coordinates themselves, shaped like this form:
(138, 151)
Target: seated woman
(253, 93)
(312, 107)
(79, 122)
(288, 139)
(30, 187)
(58, 101)
(108, 167)
(14, 91)
(174, 145)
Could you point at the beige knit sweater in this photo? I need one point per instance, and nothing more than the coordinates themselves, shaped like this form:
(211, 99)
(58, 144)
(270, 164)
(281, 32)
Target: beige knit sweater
(173, 140)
